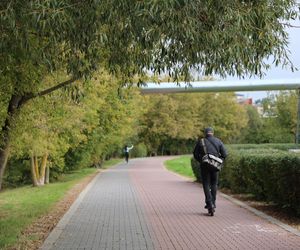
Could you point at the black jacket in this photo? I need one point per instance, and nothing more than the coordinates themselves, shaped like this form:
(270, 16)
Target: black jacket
(217, 150)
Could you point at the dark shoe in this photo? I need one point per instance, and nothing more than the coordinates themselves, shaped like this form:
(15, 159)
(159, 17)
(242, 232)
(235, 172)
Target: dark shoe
(206, 207)
(211, 211)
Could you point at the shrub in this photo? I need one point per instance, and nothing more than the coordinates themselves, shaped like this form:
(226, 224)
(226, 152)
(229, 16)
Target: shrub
(140, 150)
(17, 173)
(269, 174)
(196, 169)
(264, 146)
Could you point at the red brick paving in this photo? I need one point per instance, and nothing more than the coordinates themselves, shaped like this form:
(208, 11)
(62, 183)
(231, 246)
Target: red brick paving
(174, 210)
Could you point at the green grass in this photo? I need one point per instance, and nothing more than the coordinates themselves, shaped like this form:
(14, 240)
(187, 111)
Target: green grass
(21, 206)
(111, 162)
(181, 165)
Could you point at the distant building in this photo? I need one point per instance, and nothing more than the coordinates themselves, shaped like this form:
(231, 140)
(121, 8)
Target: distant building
(241, 99)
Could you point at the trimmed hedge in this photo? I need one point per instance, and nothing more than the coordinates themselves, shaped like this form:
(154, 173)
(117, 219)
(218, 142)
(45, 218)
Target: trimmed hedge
(269, 174)
(196, 169)
(264, 146)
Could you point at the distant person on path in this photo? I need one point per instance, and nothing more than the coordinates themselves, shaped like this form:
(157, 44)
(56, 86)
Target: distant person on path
(209, 176)
(126, 152)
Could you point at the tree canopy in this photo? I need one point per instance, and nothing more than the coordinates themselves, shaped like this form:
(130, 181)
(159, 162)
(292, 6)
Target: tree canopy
(42, 38)
(178, 118)
(222, 37)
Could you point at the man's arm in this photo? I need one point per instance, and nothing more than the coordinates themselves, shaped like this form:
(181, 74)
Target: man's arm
(196, 152)
(223, 151)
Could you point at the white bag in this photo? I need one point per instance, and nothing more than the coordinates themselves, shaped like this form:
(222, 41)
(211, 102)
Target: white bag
(213, 161)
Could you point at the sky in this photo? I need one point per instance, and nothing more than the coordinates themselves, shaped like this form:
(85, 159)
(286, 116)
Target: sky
(278, 72)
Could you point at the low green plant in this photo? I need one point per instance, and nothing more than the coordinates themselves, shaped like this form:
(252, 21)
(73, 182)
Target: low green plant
(181, 166)
(111, 162)
(268, 173)
(140, 150)
(21, 206)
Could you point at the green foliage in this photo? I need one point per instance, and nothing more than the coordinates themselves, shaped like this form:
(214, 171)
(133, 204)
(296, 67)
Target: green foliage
(110, 118)
(212, 37)
(181, 166)
(196, 169)
(45, 43)
(277, 123)
(17, 174)
(20, 207)
(139, 150)
(273, 132)
(78, 127)
(134, 37)
(47, 125)
(278, 146)
(252, 132)
(269, 174)
(286, 109)
(111, 162)
(171, 123)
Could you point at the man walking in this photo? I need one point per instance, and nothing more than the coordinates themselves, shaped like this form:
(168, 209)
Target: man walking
(209, 176)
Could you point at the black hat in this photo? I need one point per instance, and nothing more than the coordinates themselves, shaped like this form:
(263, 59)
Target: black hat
(208, 130)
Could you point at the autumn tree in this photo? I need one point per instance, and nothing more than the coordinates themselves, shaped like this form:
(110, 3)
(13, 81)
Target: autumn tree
(174, 118)
(252, 133)
(110, 118)
(286, 109)
(131, 37)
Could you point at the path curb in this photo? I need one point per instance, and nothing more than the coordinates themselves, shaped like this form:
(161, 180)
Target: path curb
(249, 208)
(262, 214)
(57, 230)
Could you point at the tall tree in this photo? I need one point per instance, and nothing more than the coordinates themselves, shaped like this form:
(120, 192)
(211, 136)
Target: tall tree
(253, 131)
(129, 37)
(176, 117)
(286, 109)
(110, 119)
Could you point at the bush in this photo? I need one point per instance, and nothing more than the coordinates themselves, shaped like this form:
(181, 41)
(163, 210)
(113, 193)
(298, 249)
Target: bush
(269, 174)
(17, 173)
(140, 150)
(196, 169)
(264, 146)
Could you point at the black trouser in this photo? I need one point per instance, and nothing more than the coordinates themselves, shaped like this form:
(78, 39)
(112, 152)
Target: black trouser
(126, 156)
(210, 185)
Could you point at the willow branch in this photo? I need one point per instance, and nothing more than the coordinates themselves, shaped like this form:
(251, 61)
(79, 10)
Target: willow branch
(50, 90)
(291, 25)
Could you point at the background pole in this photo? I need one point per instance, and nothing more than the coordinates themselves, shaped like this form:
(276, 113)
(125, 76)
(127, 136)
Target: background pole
(298, 119)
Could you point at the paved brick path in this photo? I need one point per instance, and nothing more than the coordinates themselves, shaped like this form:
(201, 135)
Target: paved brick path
(143, 206)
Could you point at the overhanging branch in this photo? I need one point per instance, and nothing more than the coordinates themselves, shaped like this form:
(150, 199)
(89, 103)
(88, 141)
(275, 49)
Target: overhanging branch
(291, 25)
(48, 91)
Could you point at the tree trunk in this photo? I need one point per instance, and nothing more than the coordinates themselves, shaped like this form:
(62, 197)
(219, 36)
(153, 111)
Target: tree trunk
(13, 106)
(4, 153)
(47, 175)
(38, 171)
(33, 171)
(43, 169)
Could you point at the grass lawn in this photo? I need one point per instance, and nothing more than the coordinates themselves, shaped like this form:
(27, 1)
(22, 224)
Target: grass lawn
(181, 165)
(111, 162)
(21, 206)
